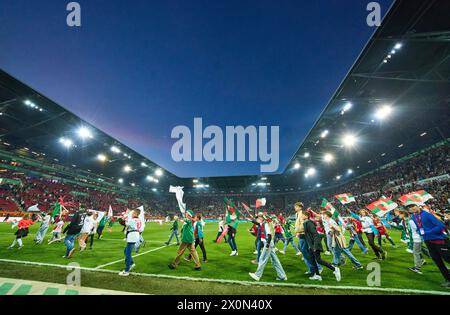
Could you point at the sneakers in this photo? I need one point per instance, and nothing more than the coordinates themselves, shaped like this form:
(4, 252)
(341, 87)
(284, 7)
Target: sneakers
(255, 252)
(409, 250)
(316, 277)
(254, 262)
(298, 254)
(282, 252)
(171, 266)
(124, 274)
(281, 279)
(327, 253)
(234, 253)
(383, 255)
(337, 273)
(416, 270)
(166, 243)
(254, 276)
(358, 267)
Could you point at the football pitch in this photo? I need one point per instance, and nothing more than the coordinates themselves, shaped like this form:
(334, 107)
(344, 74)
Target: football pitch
(221, 275)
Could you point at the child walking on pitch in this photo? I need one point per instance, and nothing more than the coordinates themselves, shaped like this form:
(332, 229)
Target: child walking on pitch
(22, 231)
(133, 226)
(268, 252)
(187, 242)
(57, 230)
(40, 235)
(174, 231)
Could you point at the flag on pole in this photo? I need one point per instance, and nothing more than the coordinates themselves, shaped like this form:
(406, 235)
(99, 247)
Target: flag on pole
(232, 210)
(329, 207)
(345, 198)
(179, 193)
(110, 212)
(56, 211)
(382, 206)
(417, 198)
(246, 208)
(260, 203)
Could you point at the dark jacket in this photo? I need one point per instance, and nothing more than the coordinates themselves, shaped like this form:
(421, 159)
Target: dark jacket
(312, 237)
(76, 224)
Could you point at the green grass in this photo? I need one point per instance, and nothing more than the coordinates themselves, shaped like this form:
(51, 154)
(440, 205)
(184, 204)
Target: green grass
(394, 272)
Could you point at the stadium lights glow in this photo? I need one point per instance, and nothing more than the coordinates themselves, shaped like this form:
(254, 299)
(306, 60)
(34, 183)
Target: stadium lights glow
(346, 108)
(66, 142)
(120, 180)
(133, 184)
(159, 172)
(338, 177)
(349, 140)
(262, 184)
(324, 134)
(328, 158)
(349, 171)
(102, 158)
(310, 172)
(318, 185)
(263, 178)
(398, 46)
(127, 168)
(201, 186)
(154, 189)
(150, 178)
(143, 164)
(115, 149)
(195, 181)
(84, 133)
(423, 134)
(297, 166)
(306, 155)
(401, 145)
(383, 112)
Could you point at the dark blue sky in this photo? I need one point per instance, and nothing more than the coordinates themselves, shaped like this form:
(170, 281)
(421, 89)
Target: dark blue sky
(136, 69)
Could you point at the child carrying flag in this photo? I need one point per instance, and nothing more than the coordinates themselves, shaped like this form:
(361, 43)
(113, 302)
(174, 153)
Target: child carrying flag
(187, 242)
(289, 239)
(23, 225)
(133, 226)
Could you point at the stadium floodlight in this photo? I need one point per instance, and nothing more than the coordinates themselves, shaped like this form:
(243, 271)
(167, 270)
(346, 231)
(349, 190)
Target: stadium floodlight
(297, 166)
(306, 155)
(324, 134)
(120, 180)
(156, 180)
(115, 149)
(84, 133)
(195, 181)
(150, 178)
(349, 171)
(66, 142)
(263, 178)
(318, 185)
(133, 184)
(127, 168)
(347, 107)
(154, 189)
(159, 172)
(338, 177)
(143, 164)
(310, 172)
(102, 157)
(398, 46)
(383, 112)
(328, 157)
(349, 140)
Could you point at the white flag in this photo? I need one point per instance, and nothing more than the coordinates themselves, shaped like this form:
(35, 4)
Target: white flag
(110, 212)
(34, 208)
(142, 218)
(179, 193)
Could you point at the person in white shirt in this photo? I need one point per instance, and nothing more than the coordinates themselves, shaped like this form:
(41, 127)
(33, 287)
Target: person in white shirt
(133, 227)
(40, 235)
(57, 231)
(417, 241)
(369, 229)
(88, 225)
(221, 227)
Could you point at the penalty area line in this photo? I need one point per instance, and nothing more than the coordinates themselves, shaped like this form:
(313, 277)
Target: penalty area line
(240, 282)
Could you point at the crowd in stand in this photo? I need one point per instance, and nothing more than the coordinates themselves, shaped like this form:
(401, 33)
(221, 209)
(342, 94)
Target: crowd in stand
(390, 181)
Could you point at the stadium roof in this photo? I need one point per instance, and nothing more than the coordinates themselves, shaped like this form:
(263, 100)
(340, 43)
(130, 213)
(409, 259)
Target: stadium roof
(393, 102)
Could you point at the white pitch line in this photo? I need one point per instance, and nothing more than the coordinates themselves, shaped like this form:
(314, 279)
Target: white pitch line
(240, 282)
(137, 255)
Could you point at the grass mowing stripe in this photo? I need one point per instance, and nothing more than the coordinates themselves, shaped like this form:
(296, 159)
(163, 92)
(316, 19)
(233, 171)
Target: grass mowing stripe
(23, 289)
(5, 287)
(134, 256)
(247, 283)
